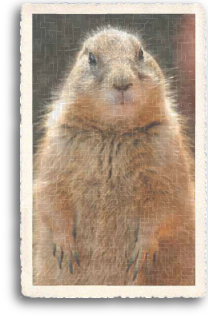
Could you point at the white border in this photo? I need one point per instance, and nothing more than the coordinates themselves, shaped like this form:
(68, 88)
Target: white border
(26, 153)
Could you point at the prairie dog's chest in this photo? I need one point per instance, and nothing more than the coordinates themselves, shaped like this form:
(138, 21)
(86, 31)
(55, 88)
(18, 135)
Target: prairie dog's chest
(106, 187)
(107, 176)
(105, 165)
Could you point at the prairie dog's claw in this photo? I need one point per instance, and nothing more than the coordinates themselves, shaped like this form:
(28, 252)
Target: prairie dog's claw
(130, 264)
(59, 253)
(144, 256)
(54, 250)
(70, 265)
(60, 258)
(77, 258)
(135, 274)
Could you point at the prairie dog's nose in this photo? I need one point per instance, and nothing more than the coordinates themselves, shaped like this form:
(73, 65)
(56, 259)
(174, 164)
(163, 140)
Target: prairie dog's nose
(122, 87)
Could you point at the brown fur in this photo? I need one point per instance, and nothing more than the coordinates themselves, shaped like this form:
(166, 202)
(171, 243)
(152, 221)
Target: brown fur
(112, 181)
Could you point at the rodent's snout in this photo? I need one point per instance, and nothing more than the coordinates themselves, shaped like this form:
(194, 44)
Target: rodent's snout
(119, 90)
(122, 87)
(121, 80)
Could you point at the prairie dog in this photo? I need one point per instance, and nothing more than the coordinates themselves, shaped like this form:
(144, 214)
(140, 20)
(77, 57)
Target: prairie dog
(113, 196)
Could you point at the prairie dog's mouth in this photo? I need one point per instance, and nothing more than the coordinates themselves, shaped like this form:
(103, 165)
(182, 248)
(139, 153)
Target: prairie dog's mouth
(119, 98)
(123, 98)
(119, 103)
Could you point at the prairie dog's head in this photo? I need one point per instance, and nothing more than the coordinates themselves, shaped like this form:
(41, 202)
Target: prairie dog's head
(114, 80)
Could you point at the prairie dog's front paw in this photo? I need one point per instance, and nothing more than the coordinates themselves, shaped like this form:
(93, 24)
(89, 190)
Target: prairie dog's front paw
(144, 255)
(64, 249)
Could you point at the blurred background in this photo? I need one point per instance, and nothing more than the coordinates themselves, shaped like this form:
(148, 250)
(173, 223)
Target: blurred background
(169, 37)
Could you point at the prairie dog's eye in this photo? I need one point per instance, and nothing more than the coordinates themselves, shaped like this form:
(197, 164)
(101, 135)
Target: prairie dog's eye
(141, 54)
(92, 60)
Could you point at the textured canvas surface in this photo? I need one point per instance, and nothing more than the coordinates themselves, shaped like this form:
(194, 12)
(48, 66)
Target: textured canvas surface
(109, 103)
